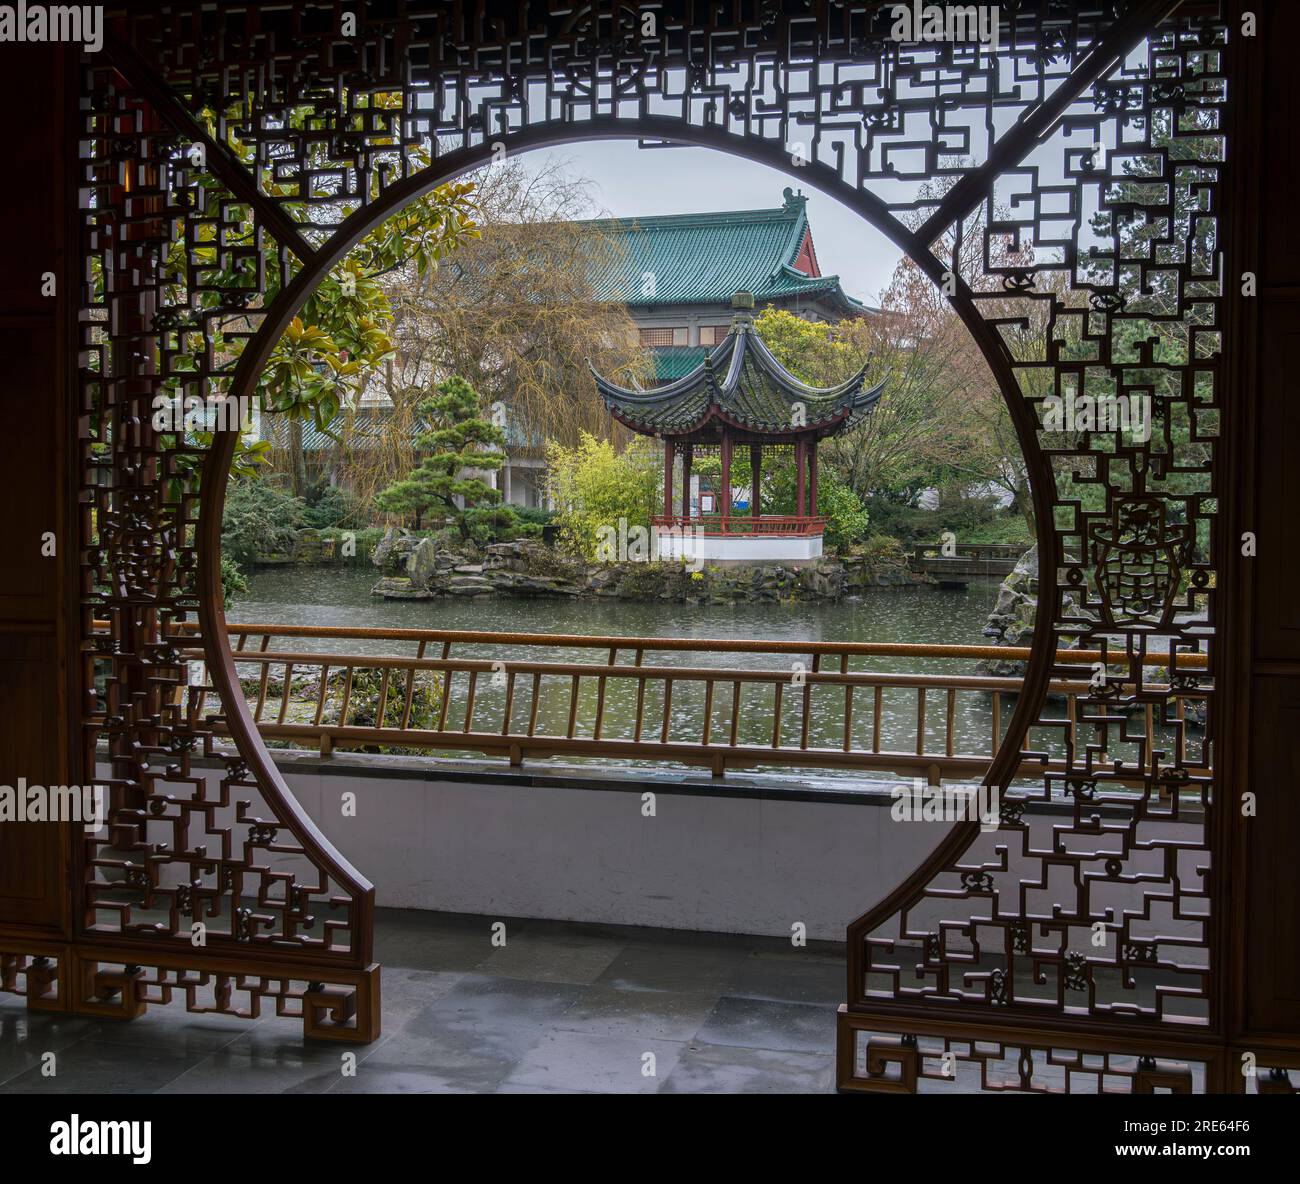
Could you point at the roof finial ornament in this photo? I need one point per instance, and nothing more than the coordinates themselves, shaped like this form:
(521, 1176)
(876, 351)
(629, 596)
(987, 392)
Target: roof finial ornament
(742, 308)
(793, 201)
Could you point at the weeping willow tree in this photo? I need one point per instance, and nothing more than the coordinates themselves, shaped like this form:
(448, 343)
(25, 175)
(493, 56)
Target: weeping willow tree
(515, 313)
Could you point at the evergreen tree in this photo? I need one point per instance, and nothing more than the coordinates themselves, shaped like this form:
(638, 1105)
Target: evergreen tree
(459, 439)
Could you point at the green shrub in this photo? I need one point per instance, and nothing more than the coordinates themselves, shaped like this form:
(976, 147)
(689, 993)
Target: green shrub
(363, 703)
(535, 515)
(846, 516)
(233, 584)
(333, 506)
(259, 519)
(366, 539)
(882, 550)
(595, 487)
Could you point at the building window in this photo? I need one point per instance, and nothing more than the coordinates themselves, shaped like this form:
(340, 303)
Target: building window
(713, 334)
(674, 336)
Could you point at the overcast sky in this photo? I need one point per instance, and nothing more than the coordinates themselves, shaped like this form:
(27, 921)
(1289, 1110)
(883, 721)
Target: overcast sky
(629, 180)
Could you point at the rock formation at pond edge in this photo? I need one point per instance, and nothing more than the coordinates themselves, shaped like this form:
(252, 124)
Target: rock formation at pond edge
(418, 568)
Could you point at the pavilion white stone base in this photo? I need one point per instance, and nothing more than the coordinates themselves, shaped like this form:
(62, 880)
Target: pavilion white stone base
(739, 548)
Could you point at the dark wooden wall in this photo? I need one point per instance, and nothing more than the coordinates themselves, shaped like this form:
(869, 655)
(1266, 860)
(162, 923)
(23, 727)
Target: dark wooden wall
(34, 469)
(1262, 489)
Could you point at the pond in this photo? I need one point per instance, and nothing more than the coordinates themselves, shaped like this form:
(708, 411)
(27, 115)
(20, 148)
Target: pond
(341, 597)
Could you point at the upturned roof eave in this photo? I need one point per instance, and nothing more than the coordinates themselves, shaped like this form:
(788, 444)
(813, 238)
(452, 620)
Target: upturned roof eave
(639, 409)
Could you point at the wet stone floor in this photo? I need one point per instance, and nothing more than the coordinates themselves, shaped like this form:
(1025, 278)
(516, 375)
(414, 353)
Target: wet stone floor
(562, 1007)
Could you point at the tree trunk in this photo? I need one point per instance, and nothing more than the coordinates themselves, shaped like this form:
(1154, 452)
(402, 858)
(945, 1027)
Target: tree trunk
(297, 459)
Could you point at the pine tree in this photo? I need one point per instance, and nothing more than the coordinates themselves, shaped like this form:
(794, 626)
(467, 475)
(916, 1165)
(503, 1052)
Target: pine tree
(459, 439)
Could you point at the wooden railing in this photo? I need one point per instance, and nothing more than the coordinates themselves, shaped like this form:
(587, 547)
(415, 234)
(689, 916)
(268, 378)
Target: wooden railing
(807, 706)
(743, 523)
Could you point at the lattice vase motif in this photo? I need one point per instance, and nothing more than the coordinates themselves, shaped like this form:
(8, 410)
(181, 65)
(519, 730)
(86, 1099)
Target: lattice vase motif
(1138, 559)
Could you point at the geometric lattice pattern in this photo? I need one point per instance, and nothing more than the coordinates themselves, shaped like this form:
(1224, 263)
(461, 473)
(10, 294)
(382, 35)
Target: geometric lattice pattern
(1114, 271)
(1063, 188)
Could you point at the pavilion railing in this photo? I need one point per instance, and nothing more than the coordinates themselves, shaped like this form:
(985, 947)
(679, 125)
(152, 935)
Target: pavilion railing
(810, 704)
(743, 523)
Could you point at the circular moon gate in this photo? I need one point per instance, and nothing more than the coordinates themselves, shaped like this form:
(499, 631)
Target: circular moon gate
(1079, 248)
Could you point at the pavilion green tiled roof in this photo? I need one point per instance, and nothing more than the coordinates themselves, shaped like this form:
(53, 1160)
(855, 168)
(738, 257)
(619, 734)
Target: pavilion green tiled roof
(704, 258)
(740, 383)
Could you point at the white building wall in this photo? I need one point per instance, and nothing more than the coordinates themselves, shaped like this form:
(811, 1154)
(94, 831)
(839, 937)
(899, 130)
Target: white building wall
(791, 548)
(727, 856)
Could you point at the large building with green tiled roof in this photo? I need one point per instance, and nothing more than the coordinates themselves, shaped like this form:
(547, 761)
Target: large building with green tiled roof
(677, 273)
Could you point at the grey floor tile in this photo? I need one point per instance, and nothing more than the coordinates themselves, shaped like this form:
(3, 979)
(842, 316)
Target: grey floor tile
(552, 957)
(761, 1023)
(227, 1072)
(695, 939)
(279, 1039)
(514, 1087)
(169, 1027)
(605, 1010)
(450, 1060)
(667, 966)
(498, 1006)
(793, 977)
(580, 1061)
(570, 929)
(457, 951)
(562, 1008)
(93, 1066)
(711, 1068)
(26, 1036)
(404, 993)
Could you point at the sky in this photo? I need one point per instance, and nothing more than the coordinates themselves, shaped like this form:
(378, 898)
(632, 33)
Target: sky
(627, 181)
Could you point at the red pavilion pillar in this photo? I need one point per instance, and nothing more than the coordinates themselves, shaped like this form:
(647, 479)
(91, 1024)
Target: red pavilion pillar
(668, 479)
(726, 479)
(688, 451)
(755, 476)
(800, 476)
(812, 479)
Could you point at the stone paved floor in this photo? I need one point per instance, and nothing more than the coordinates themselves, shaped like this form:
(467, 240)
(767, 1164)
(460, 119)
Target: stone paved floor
(561, 1008)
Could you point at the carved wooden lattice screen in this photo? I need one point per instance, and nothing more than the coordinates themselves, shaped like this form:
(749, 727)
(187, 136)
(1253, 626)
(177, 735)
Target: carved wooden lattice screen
(1063, 186)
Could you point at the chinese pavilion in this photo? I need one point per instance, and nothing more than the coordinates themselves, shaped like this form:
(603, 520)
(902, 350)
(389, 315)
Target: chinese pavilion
(739, 396)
